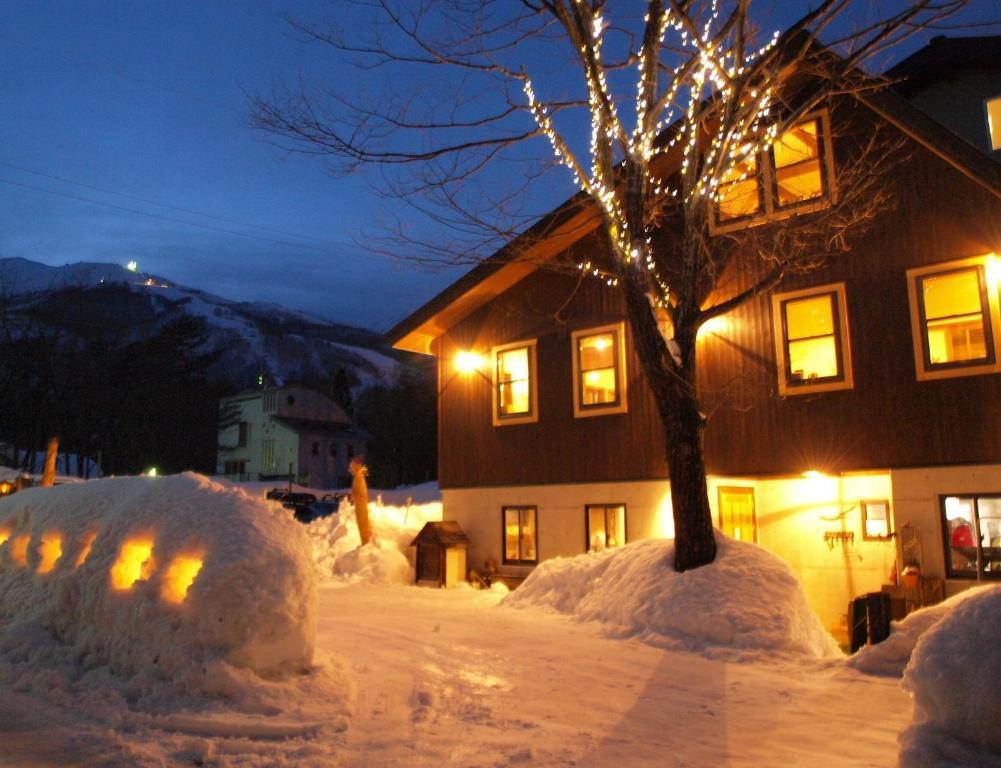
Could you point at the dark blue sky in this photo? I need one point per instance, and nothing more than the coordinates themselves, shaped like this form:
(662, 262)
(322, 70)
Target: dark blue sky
(148, 100)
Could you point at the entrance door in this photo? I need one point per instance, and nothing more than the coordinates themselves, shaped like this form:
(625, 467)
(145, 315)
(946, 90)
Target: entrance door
(736, 513)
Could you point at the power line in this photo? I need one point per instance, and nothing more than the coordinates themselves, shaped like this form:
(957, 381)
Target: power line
(168, 206)
(125, 209)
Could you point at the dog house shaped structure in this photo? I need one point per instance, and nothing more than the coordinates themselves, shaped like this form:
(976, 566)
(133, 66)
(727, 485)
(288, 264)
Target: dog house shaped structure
(441, 554)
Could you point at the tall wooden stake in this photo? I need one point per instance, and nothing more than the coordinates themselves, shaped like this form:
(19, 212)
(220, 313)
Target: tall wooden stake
(49, 473)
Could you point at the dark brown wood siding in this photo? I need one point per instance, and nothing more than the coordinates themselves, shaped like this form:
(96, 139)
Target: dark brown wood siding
(889, 419)
(558, 448)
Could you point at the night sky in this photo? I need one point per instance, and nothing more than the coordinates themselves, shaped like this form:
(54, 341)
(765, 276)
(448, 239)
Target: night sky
(126, 134)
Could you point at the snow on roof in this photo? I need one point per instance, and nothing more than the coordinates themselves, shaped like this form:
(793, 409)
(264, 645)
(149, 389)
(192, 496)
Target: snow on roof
(747, 599)
(159, 578)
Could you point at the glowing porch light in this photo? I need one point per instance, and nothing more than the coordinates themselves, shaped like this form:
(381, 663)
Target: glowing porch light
(49, 551)
(467, 362)
(813, 474)
(5, 488)
(992, 268)
(134, 562)
(717, 326)
(179, 577)
(88, 542)
(132, 266)
(19, 550)
(151, 472)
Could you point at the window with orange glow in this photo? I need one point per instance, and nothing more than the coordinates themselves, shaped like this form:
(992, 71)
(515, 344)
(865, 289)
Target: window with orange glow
(794, 174)
(85, 546)
(4, 535)
(598, 367)
(49, 551)
(812, 340)
(606, 526)
(135, 562)
(520, 536)
(993, 107)
(19, 550)
(179, 577)
(955, 317)
(514, 385)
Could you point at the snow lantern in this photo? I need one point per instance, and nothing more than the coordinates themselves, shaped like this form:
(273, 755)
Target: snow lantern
(441, 554)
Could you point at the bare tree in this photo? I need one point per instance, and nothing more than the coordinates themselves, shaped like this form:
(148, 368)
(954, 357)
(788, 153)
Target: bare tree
(706, 96)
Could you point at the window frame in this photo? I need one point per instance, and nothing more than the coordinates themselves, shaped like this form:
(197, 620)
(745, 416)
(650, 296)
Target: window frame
(532, 415)
(926, 371)
(863, 512)
(842, 341)
(607, 506)
(621, 403)
(767, 178)
(950, 572)
(519, 508)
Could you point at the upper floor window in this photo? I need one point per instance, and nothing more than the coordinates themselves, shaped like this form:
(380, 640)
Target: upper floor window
(270, 401)
(811, 340)
(795, 174)
(954, 319)
(993, 107)
(514, 383)
(599, 371)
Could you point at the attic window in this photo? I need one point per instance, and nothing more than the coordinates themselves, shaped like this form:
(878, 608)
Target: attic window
(794, 175)
(994, 122)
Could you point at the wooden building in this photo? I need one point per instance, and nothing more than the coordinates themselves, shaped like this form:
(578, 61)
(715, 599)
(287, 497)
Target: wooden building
(856, 399)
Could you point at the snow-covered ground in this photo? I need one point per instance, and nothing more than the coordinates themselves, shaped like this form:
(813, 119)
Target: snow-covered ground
(601, 660)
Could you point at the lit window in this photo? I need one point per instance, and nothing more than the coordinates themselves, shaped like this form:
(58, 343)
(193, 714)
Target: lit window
(598, 365)
(798, 174)
(521, 536)
(795, 174)
(875, 519)
(954, 319)
(740, 193)
(811, 337)
(971, 529)
(606, 526)
(994, 122)
(514, 386)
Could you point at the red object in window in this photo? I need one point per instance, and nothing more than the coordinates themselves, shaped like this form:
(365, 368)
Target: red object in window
(962, 535)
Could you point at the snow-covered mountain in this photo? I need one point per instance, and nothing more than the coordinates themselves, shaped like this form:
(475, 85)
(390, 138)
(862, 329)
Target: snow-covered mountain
(253, 338)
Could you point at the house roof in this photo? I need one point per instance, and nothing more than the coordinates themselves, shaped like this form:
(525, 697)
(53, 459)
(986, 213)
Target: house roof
(578, 216)
(446, 533)
(942, 56)
(324, 428)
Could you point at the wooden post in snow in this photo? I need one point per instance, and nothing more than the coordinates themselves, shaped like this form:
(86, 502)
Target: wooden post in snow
(49, 473)
(359, 497)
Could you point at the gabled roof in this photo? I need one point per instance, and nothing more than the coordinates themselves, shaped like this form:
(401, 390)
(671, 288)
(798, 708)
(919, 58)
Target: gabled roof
(942, 56)
(446, 533)
(578, 216)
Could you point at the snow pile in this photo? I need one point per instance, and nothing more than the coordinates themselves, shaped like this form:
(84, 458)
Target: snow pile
(176, 579)
(891, 656)
(953, 677)
(337, 546)
(746, 599)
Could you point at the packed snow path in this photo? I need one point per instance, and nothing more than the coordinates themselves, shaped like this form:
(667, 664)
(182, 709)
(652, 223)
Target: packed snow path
(451, 678)
(448, 678)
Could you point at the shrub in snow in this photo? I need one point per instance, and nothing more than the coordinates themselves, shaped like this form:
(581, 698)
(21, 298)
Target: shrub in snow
(747, 598)
(891, 656)
(337, 543)
(953, 677)
(177, 578)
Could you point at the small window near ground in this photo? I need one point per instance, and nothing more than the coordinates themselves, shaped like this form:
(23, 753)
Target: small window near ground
(514, 384)
(954, 319)
(875, 520)
(521, 536)
(994, 122)
(606, 526)
(972, 536)
(599, 366)
(811, 338)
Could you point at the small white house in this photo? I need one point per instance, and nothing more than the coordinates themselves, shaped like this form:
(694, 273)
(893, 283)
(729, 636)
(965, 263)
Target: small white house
(280, 432)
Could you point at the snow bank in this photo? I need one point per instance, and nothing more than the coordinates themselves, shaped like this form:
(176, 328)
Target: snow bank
(157, 578)
(337, 544)
(746, 599)
(891, 656)
(953, 677)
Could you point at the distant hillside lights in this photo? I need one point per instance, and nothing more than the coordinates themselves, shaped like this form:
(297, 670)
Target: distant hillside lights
(132, 266)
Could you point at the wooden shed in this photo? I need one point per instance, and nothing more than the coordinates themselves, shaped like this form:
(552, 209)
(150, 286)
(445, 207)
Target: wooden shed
(441, 554)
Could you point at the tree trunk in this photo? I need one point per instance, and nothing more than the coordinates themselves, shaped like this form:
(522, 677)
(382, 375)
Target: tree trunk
(674, 392)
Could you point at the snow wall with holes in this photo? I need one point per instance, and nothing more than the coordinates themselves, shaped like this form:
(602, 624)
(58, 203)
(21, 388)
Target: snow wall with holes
(175, 578)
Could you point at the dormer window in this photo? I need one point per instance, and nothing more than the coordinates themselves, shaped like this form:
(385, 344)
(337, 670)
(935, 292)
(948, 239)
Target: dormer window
(795, 175)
